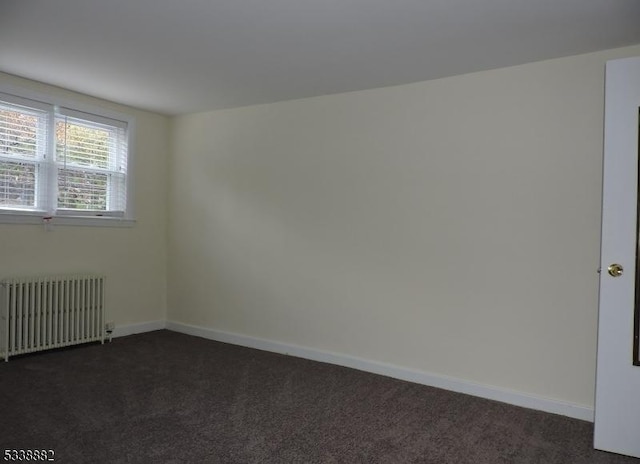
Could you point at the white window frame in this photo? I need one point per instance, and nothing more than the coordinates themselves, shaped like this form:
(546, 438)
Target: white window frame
(49, 103)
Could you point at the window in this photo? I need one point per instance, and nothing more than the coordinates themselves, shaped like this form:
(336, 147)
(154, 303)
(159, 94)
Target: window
(62, 163)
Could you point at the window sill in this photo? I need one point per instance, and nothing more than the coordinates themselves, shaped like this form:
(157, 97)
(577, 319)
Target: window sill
(86, 221)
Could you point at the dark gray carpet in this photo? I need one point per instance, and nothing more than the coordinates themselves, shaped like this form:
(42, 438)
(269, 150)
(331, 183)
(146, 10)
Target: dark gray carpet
(164, 397)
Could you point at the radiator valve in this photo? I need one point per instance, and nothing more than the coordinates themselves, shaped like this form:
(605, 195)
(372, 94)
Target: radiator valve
(108, 328)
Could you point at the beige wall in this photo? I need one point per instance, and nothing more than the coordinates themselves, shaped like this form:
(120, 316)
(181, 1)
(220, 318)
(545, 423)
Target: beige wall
(133, 259)
(449, 226)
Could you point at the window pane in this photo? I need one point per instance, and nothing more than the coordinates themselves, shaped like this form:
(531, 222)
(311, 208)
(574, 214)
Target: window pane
(91, 158)
(17, 184)
(18, 133)
(82, 190)
(83, 145)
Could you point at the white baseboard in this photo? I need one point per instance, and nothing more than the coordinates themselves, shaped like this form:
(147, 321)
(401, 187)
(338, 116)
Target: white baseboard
(398, 372)
(130, 329)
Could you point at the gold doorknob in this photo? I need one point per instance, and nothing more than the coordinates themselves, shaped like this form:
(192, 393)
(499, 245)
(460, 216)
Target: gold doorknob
(615, 270)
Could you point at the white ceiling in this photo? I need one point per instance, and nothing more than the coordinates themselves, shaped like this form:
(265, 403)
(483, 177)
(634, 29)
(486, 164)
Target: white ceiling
(178, 56)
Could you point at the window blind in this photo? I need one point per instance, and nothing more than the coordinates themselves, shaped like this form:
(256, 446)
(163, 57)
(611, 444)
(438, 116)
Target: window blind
(91, 162)
(23, 140)
(61, 161)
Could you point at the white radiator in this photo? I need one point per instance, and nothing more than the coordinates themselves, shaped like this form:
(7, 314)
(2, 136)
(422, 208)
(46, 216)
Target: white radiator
(42, 313)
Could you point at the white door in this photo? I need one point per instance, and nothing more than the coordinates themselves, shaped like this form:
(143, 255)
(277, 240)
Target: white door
(617, 409)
